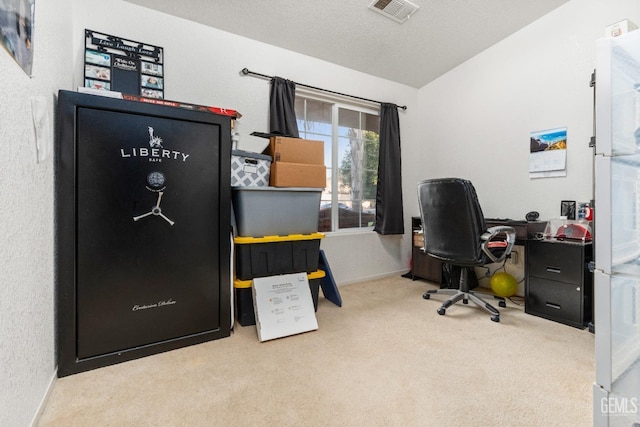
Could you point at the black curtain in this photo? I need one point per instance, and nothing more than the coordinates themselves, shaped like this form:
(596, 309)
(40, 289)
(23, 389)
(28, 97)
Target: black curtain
(389, 212)
(282, 113)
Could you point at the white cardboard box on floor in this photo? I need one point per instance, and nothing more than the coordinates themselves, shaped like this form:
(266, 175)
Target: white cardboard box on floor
(283, 306)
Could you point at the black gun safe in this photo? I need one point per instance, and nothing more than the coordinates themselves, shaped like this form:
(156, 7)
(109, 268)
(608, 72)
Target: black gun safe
(142, 229)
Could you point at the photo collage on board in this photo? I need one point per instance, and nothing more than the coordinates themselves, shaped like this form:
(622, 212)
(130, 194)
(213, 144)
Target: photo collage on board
(116, 64)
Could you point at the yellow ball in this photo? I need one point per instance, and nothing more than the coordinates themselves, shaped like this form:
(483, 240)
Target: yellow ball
(503, 284)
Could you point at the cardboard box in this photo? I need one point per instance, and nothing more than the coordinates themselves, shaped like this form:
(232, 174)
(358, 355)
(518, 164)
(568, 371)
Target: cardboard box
(418, 239)
(296, 150)
(285, 174)
(620, 28)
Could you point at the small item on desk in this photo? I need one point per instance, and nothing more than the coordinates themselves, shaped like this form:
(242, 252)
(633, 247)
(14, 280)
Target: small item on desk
(418, 238)
(585, 211)
(562, 229)
(574, 232)
(532, 216)
(568, 209)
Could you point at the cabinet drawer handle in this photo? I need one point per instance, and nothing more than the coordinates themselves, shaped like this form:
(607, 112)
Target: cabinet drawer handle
(553, 269)
(551, 305)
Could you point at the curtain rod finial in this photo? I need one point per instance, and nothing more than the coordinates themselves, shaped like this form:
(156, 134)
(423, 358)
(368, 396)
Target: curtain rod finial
(245, 71)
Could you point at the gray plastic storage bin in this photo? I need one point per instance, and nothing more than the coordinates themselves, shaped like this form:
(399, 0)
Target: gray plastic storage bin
(271, 211)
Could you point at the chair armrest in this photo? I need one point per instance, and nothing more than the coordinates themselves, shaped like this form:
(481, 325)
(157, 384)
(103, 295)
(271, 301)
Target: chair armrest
(488, 236)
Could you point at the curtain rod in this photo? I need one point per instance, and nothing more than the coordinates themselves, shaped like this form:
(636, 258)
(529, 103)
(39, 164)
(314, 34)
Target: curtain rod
(246, 71)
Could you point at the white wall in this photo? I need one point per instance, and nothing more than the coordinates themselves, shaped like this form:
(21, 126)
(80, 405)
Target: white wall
(475, 120)
(202, 66)
(27, 357)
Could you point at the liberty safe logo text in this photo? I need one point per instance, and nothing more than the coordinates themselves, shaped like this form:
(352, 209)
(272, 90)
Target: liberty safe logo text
(155, 152)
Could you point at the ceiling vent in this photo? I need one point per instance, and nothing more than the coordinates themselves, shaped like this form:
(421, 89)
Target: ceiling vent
(398, 10)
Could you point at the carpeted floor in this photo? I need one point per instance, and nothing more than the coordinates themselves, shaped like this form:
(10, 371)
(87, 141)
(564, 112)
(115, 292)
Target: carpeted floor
(385, 358)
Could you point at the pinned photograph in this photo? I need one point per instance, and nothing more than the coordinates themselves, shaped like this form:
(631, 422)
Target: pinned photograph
(151, 68)
(98, 58)
(151, 82)
(95, 72)
(96, 84)
(151, 93)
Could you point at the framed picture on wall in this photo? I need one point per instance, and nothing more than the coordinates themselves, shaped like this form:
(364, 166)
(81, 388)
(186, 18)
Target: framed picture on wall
(16, 31)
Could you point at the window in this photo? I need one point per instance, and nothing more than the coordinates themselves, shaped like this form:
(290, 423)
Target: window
(351, 145)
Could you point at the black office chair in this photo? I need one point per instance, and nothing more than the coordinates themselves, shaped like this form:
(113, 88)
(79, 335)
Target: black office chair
(455, 233)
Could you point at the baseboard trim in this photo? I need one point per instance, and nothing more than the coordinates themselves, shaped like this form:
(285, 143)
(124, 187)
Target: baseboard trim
(374, 277)
(45, 399)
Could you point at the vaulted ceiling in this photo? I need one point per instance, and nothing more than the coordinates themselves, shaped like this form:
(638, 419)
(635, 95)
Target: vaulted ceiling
(441, 35)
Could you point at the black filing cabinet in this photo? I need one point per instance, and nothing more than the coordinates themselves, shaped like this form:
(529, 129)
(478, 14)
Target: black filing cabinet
(559, 284)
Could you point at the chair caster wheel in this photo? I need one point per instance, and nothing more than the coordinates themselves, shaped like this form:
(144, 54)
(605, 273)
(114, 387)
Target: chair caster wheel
(426, 295)
(495, 318)
(465, 301)
(502, 304)
(441, 311)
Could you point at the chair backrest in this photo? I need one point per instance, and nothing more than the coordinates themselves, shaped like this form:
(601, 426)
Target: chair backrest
(452, 220)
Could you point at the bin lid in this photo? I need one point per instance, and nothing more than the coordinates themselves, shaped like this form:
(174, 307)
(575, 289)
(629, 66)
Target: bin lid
(278, 189)
(241, 153)
(243, 284)
(240, 240)
(318, 274)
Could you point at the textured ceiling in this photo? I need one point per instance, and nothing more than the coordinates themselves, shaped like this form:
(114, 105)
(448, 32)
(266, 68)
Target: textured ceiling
(437, 38)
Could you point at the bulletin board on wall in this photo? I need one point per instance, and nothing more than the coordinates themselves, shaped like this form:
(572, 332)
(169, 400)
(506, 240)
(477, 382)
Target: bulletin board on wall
(116, 64)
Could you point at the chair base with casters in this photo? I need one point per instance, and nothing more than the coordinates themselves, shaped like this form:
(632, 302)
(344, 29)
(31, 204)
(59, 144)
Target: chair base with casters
(455, 232)
(465, 295)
